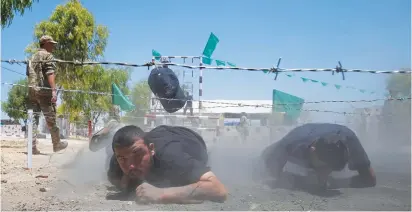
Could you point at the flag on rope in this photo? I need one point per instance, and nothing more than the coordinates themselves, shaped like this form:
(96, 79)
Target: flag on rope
(210, 45)
(118, 98)
(206, 60)
(156, 54)
(220, 63)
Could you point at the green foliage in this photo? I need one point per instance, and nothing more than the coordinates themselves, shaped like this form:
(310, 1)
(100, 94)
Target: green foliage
(15, 106)
(399, 85)
(10, 7)
(140, 96)
(92, 106)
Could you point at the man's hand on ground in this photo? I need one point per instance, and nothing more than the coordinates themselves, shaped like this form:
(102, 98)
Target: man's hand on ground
(146, 193)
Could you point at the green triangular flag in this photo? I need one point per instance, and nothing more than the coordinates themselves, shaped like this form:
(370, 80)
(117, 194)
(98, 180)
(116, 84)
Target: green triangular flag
(118, 98)
(315, 81)
(210, 45)
(304, 79)
(156, 54)
(289, 75)
(220, 63)
(362, 90)
(372, 92)
(206, 60)
(265, 71)
(324, 83)
(338, 86)
(231, 64)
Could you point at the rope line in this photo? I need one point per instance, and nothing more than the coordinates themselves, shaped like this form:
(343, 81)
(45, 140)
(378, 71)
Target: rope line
(272, 69)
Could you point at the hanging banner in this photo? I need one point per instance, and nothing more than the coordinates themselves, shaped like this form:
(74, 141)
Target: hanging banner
(210, 45)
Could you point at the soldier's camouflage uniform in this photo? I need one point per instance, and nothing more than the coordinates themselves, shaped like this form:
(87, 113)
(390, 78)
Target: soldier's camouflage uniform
(39, 99)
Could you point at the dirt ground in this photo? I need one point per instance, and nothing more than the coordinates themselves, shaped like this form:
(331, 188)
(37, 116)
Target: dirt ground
(74, 180)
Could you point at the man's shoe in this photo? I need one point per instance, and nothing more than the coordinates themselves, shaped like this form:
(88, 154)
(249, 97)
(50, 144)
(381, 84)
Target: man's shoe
(60, 146)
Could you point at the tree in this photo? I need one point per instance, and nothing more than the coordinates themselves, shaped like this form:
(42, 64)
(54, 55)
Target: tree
(399, 85)
(15, 106)
(79, 39)
(396, 114)
(140, 96)
(10, 7)
(92, 106)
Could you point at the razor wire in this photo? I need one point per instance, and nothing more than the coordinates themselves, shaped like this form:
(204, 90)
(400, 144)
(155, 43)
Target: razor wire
(338, 69)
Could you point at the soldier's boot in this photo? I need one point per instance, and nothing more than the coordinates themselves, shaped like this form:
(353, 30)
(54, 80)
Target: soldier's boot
(60, 146)
(34, 149)
(57, 144)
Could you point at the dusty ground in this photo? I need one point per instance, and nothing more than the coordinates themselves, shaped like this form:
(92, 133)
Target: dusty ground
(75, 181)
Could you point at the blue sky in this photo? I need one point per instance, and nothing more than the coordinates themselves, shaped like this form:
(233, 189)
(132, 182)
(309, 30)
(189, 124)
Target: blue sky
(364, 34)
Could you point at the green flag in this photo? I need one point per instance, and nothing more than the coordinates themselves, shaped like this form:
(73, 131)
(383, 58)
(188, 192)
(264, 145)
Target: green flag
(338, 86)
(118, 98)
(315, 81)
(304, 79)
(156, 54)
(206, 60)
(210, 45)
(265, 71)
(231, 64)
(362, 90)
(324, 83)
(289, 75)
(220, 63)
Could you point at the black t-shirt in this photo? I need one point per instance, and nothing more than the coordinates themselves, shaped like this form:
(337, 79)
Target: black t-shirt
(294, 147)
(180, 157)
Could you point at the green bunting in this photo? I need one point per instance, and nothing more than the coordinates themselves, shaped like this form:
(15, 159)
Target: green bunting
(118, 98)
(231, 64)
(338, 86)
(220, 63)
(206, 60)
(210, 45)
(304, 79)
(156, 54)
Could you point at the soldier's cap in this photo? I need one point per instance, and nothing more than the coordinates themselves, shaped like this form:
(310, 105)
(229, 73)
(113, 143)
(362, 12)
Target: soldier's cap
(46, 39)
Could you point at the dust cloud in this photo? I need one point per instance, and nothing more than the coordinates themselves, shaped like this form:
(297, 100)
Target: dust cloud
(385, 138)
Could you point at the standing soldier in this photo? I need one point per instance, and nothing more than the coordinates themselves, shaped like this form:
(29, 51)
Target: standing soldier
(42, 95)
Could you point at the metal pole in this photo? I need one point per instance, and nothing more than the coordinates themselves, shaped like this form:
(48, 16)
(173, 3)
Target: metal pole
(29, 138)
(200, 87)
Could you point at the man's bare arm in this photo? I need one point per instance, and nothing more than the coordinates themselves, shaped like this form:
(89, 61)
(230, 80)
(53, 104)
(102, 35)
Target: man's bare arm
(207, 188)
(52, 81)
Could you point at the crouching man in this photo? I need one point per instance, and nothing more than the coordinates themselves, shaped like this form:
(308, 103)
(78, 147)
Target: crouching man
(324, 148)
(176, 156)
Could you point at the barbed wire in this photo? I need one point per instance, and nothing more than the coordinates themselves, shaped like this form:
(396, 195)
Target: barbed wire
(5, 68)
(338, 69)
(218, 102)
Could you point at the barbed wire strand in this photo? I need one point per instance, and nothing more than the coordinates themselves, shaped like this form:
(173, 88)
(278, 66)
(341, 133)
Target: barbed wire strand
(221, 103)
(272, 69)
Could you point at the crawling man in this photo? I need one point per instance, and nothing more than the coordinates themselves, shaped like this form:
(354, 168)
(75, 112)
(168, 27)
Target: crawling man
(166, 165)
(324, 148)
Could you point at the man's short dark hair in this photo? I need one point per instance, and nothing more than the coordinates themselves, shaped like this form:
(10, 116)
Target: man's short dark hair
(335, 154)
(126, 136)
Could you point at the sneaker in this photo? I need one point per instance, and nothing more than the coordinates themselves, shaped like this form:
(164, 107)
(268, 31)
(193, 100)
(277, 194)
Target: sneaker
(60, 146)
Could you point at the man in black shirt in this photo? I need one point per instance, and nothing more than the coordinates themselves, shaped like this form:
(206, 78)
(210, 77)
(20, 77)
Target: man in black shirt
(172, 158)
(324, 148)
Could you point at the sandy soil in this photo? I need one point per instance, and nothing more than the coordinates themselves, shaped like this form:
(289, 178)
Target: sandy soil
(74, 180)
